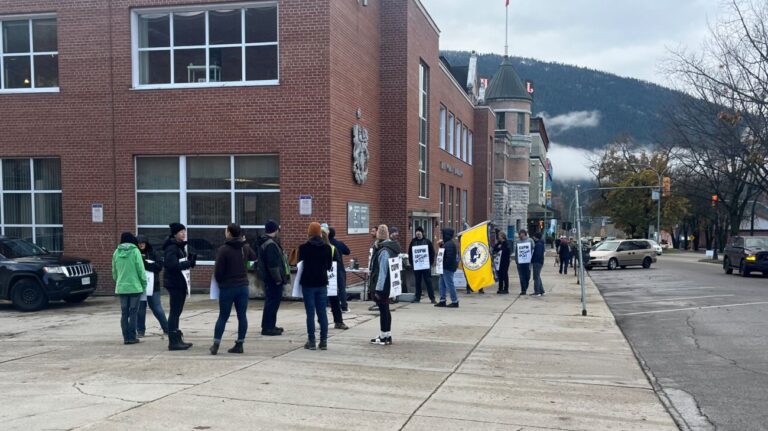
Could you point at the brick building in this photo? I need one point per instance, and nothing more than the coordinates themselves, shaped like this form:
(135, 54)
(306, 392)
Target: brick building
(125, 115)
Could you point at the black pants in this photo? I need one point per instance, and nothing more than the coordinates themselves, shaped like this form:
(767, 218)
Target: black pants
(385, 316)
(564, 261)
(273, 295)
(342, 288)
(524, 271)
(504, 278)
(424, 275)
(177, 297)
(335, 302)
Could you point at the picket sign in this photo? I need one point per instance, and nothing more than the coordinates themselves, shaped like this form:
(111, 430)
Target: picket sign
(420, 258)
(459, 280)
(297, 281)
(439, 261)
(150, 290)
(524, 252)
(395, 282)
(215, 291)
(333, 281)
(497, 262)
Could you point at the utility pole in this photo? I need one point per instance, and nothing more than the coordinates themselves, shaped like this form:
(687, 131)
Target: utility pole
(581, 256)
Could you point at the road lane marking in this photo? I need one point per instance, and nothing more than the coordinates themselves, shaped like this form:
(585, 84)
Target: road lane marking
(691, 308)
(671, 299)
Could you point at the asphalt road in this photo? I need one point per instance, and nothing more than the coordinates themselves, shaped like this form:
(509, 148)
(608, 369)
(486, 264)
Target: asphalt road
(702, 334)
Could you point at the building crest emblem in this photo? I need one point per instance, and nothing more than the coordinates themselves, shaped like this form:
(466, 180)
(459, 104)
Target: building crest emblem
(360, 153)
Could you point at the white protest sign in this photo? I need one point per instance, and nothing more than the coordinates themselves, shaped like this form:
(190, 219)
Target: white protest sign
(150, 286)
(497, 262)
(459, 280)
(524, 252)
(395, 282)
(420, 257)
(297, 293)
(215, 292)
(439, 261)
(333, 284)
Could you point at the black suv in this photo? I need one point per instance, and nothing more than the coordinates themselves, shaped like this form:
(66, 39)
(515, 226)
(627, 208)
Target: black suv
(746, 254)
(30, 276)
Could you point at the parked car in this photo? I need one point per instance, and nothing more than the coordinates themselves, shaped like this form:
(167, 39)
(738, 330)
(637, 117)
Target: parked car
(747, 254)
(657, 247)
(622, 253)
(30, 276)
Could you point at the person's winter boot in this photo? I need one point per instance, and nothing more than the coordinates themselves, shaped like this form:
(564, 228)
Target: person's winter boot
(323, 345)
(181, 339)
(214, 348)
(238, 347)
(174, 342)
(440, 304)
(453, 305)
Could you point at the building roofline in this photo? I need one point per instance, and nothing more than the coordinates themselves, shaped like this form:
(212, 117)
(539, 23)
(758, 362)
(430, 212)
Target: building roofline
(427, 16)
(455, 83)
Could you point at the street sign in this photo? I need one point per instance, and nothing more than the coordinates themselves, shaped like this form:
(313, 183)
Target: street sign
(655, 195)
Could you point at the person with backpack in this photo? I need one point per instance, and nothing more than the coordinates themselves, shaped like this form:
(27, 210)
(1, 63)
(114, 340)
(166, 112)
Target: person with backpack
(381, 282)
(230, 272)
(177, 265)
(154, 302)
(130, 282)
(272, 269)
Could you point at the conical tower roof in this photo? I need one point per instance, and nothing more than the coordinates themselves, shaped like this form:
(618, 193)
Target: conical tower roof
(506, 84)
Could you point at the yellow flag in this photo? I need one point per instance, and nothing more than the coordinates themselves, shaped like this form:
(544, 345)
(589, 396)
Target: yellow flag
(476, 257)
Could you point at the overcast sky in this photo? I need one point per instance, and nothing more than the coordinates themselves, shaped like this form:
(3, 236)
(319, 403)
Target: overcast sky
(625, 37)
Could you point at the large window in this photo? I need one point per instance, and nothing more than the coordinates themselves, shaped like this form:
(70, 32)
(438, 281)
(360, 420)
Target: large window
(458, 220)
(206, 193)
(449, 223)
(464, 145)
(442, 205)
(450, 132)
(464, 206)
(30, 204)
(457, 135)
(521, 124)
(501, 121)
(443, 119)
(29, 54)
(469, 139)
(206, 46)
(423, 130)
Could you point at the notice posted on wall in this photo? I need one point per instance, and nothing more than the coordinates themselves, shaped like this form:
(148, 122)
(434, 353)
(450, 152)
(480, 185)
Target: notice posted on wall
(305, 205)
(97, 213)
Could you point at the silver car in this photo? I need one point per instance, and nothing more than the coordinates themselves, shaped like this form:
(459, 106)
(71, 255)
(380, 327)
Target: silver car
(622, 253)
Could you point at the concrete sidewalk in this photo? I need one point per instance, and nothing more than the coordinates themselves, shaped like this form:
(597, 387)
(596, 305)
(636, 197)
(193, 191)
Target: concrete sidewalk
(496, 363)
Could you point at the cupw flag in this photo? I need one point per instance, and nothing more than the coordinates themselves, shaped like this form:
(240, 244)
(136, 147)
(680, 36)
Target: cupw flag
(476, 257)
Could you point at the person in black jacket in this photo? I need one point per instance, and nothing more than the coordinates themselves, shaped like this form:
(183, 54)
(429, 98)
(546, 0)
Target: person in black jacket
(564, 251)
(537, 262)
(450, 265)
(333, 300)
(317, 260)
(503, 250)
(424, 275)
(230, 272)
(153, 301)
(342, 275)
(177, 265)
(275, 277)
(386, 249)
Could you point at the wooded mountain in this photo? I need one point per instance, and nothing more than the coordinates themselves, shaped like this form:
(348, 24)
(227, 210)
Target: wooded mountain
(624, 105)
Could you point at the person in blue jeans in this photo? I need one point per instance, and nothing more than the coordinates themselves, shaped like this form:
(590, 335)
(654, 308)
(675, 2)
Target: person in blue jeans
(317, 259)
(230, 272)
(450, 265)
(523, 269)
(154, 302)
(537, 261)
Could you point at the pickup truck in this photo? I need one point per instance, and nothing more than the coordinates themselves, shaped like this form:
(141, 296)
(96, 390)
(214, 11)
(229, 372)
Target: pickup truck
(746, 254)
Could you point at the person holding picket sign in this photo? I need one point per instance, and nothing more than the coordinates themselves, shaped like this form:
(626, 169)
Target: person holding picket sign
(422, 255)
(523, 255)
(501, 250)
(382, 278)
(333, 281)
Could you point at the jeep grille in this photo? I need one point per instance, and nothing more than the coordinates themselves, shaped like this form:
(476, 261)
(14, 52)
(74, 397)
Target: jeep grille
(78, 270)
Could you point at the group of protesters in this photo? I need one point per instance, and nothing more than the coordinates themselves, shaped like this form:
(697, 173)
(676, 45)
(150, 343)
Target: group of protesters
(136, 269)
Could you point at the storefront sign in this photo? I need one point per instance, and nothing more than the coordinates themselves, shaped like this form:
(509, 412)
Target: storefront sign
(305, 205)
(358, 218)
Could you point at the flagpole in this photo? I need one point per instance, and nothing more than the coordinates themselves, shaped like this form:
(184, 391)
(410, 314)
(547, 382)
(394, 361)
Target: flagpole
(506, 31)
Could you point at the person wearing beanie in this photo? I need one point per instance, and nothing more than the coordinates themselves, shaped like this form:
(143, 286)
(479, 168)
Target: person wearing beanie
(272, 267)
(177, 267)
(333, 300)
(424, 275)
(450, 265)
(130, 282)
(232, 277)
(153, 301)
(342, 275)
(317, 259)
(385, 250)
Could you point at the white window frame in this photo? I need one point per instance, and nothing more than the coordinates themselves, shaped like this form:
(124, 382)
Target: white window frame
(457, 135)
(135, 50)
(32, 192)
(424, 117)
(470, 147)
(443, 122)
(464, 153)
(31, 54)
(183, 193)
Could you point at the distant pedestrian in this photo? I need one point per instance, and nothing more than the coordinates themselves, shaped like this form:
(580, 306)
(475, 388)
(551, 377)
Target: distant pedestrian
(502, 249)
(342, 275)
(333, 300)
(177, 276)
(423, 275)
(317, 261)
(450, 265)
(564, 252)
(537, 261)
(380, 278)
(573, 252)
(130, 282)
(273, 269)
(153, 301)
(523, 260)
(230, 272)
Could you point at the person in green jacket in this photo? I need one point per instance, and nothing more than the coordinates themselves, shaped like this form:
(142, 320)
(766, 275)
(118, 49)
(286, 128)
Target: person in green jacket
(130, 282)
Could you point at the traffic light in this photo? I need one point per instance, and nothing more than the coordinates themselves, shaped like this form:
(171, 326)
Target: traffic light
(667, 187)
(714, 201)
